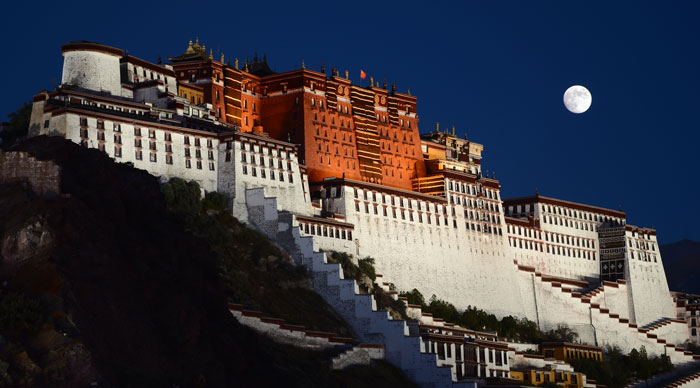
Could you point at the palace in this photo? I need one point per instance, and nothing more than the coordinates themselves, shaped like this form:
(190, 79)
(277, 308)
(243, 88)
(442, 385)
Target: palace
(319, 163)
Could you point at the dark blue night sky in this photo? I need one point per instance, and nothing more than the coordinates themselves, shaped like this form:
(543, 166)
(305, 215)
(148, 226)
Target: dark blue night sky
(495, 70)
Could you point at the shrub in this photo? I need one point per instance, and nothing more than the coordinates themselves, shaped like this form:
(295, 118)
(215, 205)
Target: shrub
(215, 201)
(182, 197)
(366, 266)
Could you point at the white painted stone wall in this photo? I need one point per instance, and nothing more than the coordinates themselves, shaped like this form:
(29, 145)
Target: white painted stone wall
(440, 260)
(592, 325)
(92, 70)
(649, 294)
(292, 195)
(68, 126)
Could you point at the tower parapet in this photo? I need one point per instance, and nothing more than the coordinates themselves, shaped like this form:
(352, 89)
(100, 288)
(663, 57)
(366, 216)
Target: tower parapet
(92, 66)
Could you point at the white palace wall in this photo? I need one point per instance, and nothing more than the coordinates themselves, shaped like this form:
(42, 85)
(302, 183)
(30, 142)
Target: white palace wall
(464, 267)
(249, 161)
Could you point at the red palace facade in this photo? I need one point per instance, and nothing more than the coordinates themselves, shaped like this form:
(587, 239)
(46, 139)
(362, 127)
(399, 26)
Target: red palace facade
(343, 130)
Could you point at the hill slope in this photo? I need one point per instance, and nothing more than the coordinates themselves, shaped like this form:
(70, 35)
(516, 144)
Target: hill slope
(103, 284)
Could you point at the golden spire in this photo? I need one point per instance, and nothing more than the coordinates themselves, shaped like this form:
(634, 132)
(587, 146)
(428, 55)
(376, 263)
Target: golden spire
(204, 49)
(347, 74)
(190, 49)
(222, 57)
(409, 92)
(235, 63)
(302, 64)
(437, 127)
(211, 54)
(197, 42)
(453, 130)
(371, 81)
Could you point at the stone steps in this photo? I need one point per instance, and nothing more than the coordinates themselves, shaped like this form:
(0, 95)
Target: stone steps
(359, 311)
(679, 356)
(361, 354)
(280, 331)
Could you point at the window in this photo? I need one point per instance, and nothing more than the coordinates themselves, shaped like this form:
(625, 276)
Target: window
(139, 155)
(199, 165)
(152, 133)
(46, 123)
(117, 152)
(154, 157)
(168, 159)
(187, 163)
(211, 166)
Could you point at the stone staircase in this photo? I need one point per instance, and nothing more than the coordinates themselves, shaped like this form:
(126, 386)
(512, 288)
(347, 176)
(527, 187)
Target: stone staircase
(402, 347)
(361, 354)
(604, 319)
(282, 332)
(692, 381)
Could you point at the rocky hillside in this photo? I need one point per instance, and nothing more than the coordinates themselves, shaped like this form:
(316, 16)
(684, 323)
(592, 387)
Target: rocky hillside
(682, 265)
(103, 284)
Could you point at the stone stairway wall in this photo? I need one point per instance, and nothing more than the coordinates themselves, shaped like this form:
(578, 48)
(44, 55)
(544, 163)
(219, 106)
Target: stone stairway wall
(598, 324)
(280, 331)
(361, 354)
(360, 311)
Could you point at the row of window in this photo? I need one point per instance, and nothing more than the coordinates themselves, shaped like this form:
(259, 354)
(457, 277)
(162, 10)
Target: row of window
(262, 150)
(553, 249)
(643, 256)
(345, 149)
(429, 217)
(263, 174)
(117, 128)
(83, 121)
(569, 223)
(138, 155)
(153, 76)
(481, 204)
(271, 162)
(326, 231)
(563, 211)
(552, 237)
(335, 134)
(464, 188)
(644, 245)
(402, 202)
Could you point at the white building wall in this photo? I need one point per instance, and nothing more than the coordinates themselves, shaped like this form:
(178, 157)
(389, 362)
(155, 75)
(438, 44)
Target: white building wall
(649, 294)
(236, 175)
(461, 266)
(68, 125)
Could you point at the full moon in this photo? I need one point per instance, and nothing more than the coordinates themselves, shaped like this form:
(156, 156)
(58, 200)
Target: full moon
(577, 99)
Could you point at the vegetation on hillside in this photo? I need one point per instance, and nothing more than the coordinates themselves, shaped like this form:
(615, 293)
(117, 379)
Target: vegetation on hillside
(617, 369)
(365, 275)
(256, 273)
(105, 285)
(18, 125)
(510, 328)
